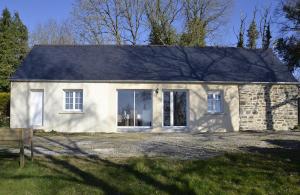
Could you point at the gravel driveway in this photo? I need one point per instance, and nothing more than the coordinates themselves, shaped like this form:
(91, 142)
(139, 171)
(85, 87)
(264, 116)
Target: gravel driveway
(178, 145)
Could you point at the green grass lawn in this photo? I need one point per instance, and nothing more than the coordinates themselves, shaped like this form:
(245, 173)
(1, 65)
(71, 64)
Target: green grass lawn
(268, 173)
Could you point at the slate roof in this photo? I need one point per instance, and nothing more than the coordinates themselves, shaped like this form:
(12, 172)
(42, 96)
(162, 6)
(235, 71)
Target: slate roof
(151, 63)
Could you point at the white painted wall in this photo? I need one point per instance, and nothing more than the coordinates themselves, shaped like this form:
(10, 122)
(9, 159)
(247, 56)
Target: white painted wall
(100, 106)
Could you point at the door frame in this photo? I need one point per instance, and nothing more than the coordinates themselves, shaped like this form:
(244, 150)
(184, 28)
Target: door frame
(172, 109)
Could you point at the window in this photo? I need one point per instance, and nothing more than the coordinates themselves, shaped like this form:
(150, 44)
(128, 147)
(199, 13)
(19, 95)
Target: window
(214, 102)
(73, 100)
(174, 108)
(134, 108)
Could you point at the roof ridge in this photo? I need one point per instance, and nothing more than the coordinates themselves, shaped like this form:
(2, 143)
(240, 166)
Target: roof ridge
(113, 45)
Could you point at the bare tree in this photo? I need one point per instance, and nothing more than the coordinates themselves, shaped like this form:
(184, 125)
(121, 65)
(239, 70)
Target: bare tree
(133, 15)
(108, 21)
(211, 14)
(111, 16)
(88, 25)
(53, 32)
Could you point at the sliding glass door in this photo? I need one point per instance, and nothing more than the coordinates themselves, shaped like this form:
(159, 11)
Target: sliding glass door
(175, 108)
(134, 108)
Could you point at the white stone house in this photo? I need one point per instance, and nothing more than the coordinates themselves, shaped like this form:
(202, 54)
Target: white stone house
(152, 89)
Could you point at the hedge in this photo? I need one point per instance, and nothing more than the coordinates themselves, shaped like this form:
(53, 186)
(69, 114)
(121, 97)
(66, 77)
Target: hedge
(4, 108)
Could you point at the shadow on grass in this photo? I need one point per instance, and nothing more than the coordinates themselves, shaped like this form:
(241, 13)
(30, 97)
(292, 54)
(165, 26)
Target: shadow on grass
(283, 150)
(144, 176)
(76, 173)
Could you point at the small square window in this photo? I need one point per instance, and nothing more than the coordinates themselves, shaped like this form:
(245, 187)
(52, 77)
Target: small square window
(73, 100)
(214, 102)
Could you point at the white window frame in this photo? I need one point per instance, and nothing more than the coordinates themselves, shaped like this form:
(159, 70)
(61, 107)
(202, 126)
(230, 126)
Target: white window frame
(172, 108)
(214, 94)
(134, 126)
(73, 91)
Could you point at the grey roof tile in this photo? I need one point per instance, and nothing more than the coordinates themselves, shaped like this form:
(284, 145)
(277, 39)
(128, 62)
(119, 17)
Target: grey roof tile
(152, 63)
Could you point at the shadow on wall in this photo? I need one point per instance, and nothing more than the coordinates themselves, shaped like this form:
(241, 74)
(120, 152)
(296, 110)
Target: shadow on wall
(55, 120)
(89, 119)
(220, 122)
(289, 99)
(199, 120)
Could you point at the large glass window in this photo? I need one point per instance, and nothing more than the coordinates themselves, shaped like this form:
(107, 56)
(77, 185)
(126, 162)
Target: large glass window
(134, 108)
(73, 100)
(214, 102)
(175, 108)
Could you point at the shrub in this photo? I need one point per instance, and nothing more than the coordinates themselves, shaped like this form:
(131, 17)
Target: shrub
(4, 108)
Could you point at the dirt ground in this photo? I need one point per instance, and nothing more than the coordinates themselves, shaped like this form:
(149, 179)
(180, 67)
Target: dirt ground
(177, 145)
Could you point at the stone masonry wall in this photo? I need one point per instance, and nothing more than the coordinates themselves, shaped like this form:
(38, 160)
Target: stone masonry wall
(272, 107)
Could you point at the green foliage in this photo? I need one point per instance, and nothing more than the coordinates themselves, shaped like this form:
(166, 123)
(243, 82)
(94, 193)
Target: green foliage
(289, 50)
(240, 42)
(267, 37)
(195, 35)
(161, 30)
(252, 34)
(228, 174)
(4, 108)
(288, 47)
(13, 46)
(162, 35)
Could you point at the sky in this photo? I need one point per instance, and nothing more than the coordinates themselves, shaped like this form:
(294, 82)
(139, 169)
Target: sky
(34, 12)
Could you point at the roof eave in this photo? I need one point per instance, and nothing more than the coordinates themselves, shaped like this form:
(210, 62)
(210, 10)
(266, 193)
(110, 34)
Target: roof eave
(151, 81)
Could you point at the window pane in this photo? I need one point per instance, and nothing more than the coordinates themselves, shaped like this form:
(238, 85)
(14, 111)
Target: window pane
(80, 106)
(68, 100)
(71, 100)
(125, 108)
(210, 105)
(214, 102)
(217, 106)
(143, 108)
(179, 101)
(167, 110)
(217, 96)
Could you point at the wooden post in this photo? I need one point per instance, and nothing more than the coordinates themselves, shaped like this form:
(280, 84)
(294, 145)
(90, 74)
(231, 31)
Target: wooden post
(31, 144)
(22, 158)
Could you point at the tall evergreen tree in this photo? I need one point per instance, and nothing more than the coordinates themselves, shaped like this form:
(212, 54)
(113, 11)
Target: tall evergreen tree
(288, 47)
(265, 29)
(266, 39)
(203, 18)
(252, 33)
(160, 15)
(195, 35)
(13, 46)
(240, 37)
(21, 39)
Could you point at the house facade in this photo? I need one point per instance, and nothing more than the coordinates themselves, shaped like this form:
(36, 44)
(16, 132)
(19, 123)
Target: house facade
(152, 89)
